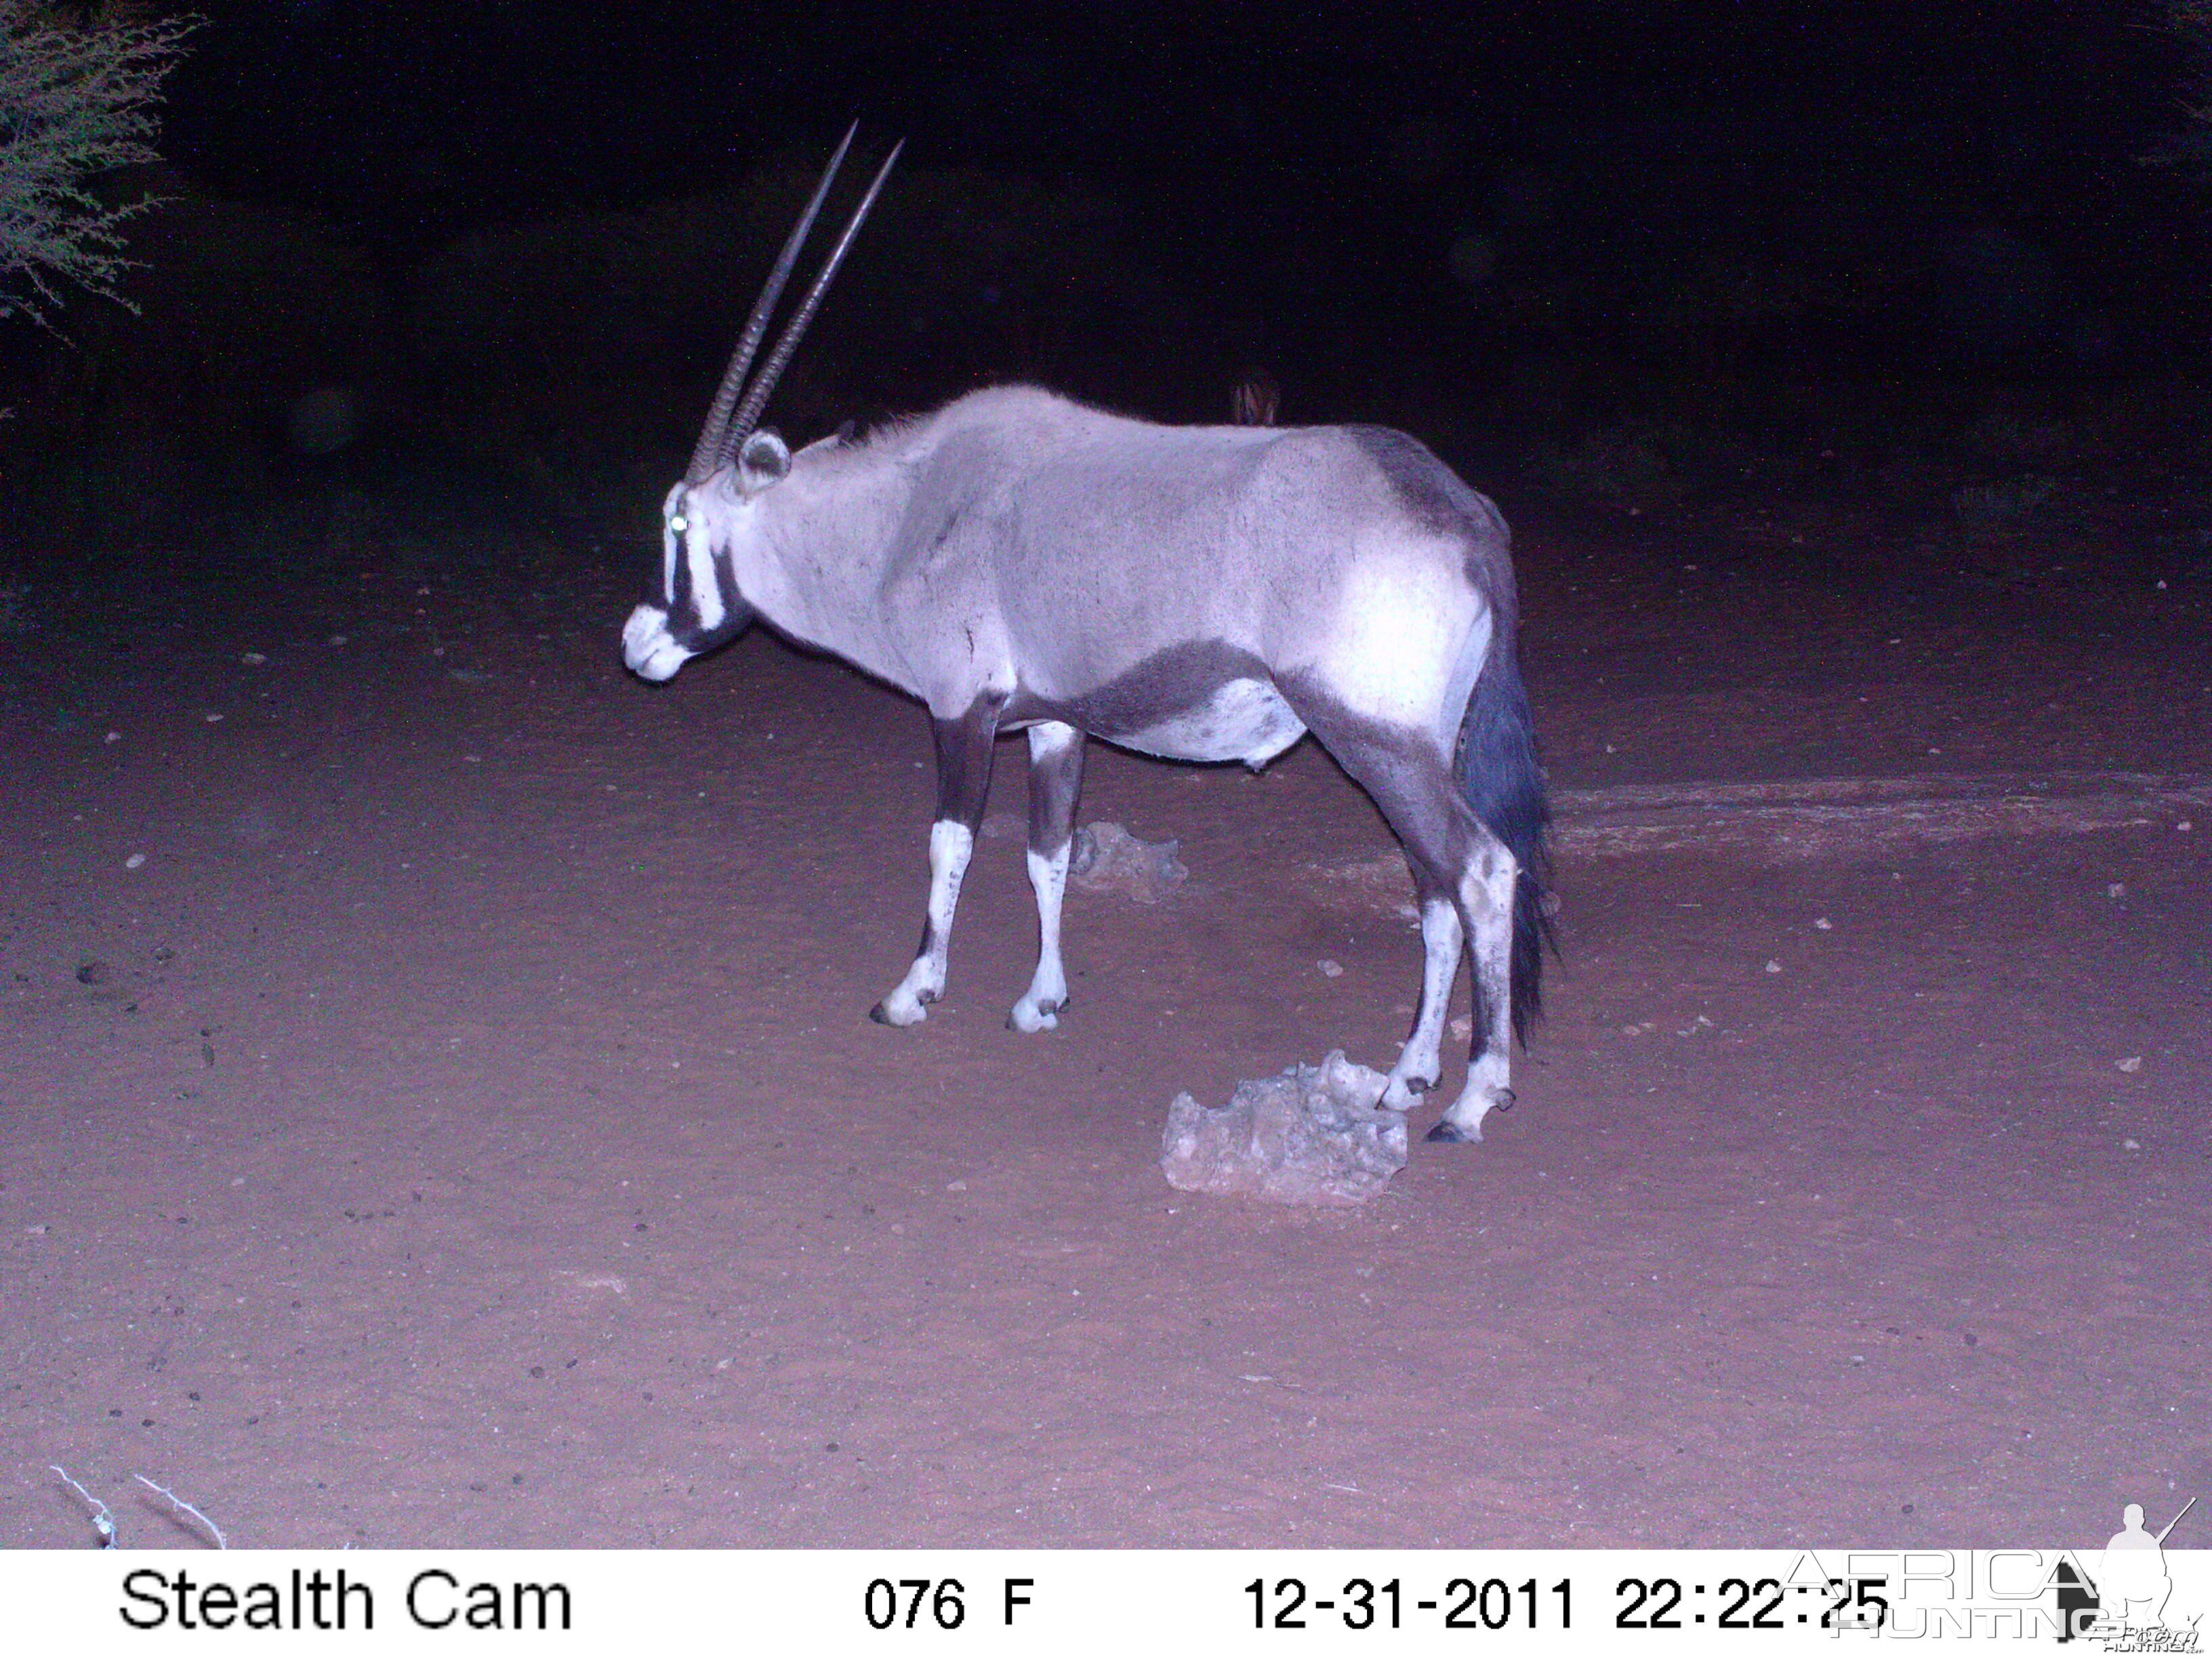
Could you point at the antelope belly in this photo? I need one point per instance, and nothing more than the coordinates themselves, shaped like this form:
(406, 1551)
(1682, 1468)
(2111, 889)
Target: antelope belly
(1243, 720)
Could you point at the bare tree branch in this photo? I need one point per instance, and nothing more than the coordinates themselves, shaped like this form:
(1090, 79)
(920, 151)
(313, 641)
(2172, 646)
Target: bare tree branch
(76, 103)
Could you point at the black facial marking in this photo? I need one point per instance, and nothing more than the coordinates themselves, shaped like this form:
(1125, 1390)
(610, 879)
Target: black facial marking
(684, 626)
(682, 622)
(679, 581)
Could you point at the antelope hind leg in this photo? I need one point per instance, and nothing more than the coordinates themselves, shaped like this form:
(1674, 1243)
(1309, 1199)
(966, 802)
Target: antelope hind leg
(1420, 1062)
(1486, 895)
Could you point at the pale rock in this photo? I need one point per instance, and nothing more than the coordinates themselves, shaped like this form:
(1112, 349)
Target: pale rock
(1310, 1136)
(1107, 859)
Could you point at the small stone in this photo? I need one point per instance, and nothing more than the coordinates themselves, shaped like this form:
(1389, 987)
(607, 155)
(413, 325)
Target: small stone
(337, 638)
(1822, 923)
(1107, 859)
(956, 1186)
(1773, 967)
(1330, 968)
(113, 736)
(94, 973)
(2131, 1146)
(1463, 1028)
(253, 659)
(2116, 889)
(2184, 826)
(134, 860)
(2132, 1063)
(212, 718)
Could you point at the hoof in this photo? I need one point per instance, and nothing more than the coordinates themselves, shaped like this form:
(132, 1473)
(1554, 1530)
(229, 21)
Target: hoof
(912, 1008)
(1044, 1017)
(1448, 1134)
(1402, 1094)
(1502, 1102)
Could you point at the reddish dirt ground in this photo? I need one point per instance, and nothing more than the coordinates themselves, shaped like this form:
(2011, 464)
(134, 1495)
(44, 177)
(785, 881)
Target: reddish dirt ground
(464, 1127)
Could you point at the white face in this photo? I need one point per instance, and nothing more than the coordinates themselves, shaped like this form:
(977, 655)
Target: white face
(699, 605)
(661, 638)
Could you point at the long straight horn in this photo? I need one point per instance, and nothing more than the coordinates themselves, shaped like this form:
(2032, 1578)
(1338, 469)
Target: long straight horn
(710, 451)
(764, 382)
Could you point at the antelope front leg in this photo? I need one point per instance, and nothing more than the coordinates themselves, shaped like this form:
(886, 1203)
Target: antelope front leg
(1055, 780)
(963, 784)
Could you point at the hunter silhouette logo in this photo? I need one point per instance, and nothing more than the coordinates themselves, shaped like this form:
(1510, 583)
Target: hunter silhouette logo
(2123, 1608)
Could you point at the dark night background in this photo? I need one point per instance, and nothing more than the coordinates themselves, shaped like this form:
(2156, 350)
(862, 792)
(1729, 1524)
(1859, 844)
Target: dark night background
(1647, 251)
(438, 1105)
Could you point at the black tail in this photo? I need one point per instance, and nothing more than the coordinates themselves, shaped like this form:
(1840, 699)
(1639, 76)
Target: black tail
(1500, 779)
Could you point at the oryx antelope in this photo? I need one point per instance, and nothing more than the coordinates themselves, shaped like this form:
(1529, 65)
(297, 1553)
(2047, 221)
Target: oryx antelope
(1255, 401)
(1020, 562)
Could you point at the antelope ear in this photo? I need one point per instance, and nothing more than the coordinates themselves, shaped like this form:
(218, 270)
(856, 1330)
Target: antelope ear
(763, 461)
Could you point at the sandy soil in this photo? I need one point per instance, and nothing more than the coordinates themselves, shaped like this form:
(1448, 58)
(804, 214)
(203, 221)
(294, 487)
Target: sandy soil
(464, 1129)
